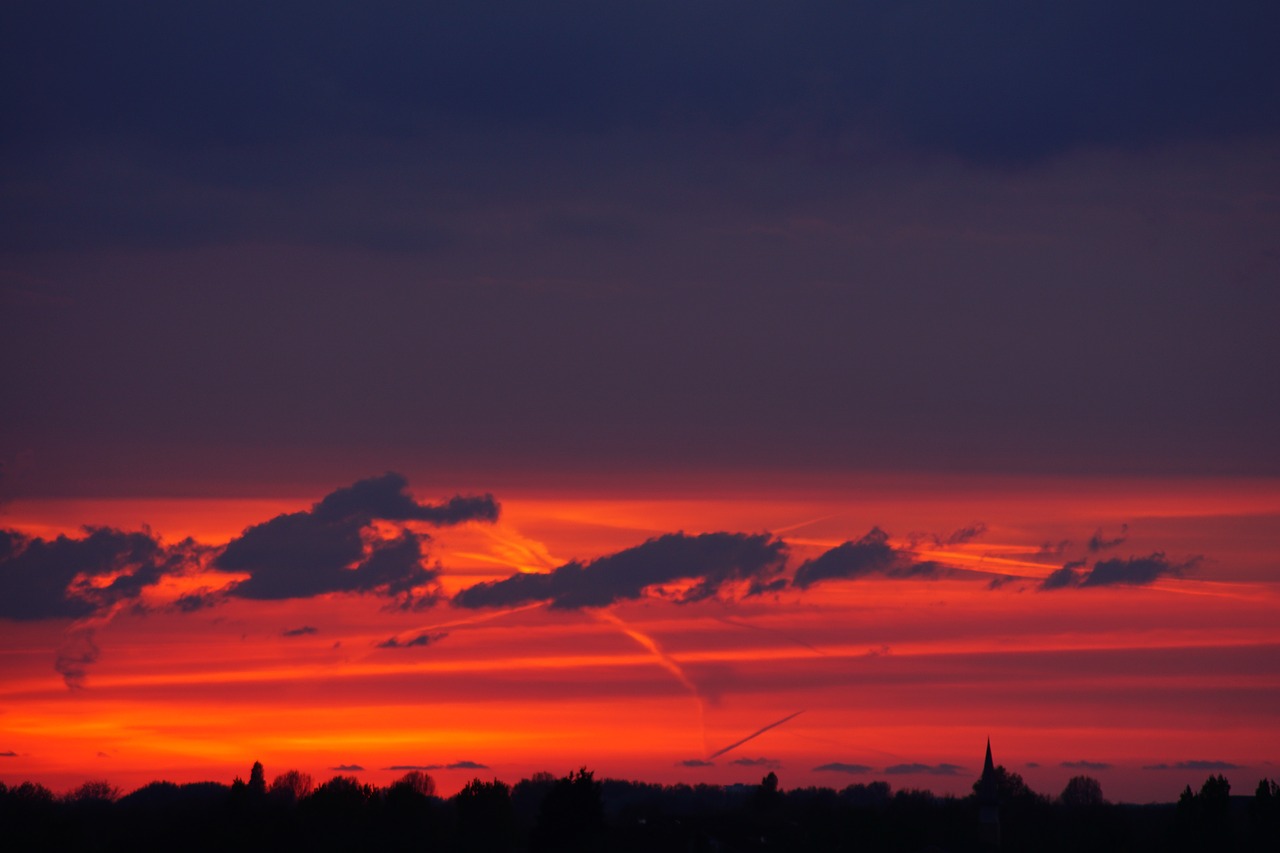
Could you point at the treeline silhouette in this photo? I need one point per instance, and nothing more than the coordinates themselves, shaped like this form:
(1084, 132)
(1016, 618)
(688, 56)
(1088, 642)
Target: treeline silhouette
(577, 812)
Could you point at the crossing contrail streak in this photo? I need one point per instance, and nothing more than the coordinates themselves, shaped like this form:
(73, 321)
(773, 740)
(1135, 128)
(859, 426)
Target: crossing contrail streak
(753, 735)
(663, 659)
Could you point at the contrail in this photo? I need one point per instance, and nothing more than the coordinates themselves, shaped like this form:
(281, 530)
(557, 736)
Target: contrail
(753, 735)
(414, 633)
(664, 660)
(798, 642)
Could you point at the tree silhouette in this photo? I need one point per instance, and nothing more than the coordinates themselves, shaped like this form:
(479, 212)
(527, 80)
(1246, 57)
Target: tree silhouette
(290, 786)
(257, 781)
(572, 815)
(1082, 792)
(486, 820)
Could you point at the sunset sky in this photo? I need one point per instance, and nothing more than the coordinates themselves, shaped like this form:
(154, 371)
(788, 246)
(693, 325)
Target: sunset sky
(518, 387)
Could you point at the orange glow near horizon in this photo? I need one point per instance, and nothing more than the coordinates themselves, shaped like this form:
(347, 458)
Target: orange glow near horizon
(889, 671)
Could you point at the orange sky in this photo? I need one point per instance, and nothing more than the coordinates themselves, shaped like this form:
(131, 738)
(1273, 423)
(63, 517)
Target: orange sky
(888, 672)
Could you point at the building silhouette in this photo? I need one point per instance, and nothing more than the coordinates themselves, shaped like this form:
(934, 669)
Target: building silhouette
(989, 803)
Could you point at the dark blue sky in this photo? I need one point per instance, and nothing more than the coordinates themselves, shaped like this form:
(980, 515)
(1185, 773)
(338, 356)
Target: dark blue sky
(287, 242)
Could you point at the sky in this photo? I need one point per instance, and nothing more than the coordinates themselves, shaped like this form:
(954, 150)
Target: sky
(532, 386)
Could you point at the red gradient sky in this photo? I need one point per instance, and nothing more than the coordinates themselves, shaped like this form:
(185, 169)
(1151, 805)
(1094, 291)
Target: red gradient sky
(886, 671)
(808, 269)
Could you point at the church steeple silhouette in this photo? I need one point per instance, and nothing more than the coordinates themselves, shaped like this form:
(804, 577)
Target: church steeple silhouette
(989, 802)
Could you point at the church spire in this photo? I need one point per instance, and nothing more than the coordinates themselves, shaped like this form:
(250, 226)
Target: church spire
(988, 767)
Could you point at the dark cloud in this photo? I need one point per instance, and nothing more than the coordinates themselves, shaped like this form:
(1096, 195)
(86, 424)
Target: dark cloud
(457, 765)
(1134, 571)
(841, 767)
(1084, 765)
(1098, 542)
(323, 550)
(1028, 87)
(1193, 765)
(870, 555)
(299, 632)
(200, 600)
(77, 653)
(696, 762)
(347, 767)
(60, 578)
(1033, 764)
(8, 754)
(930, 769)
(418, 641)
(771, 763)
(964, 534)
(712, 561)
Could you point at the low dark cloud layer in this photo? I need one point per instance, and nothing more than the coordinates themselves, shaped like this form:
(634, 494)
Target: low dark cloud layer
(710, 561)
(1193, 765)
(347, 768)
(767, 763)
(870, 555)
(299, 632)
(696, 762)
(1085, 765)
(943, 769)
(842, 767)
(323, 550)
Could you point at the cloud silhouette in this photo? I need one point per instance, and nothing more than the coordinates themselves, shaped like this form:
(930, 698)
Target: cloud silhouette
(711, 561)
(1084, 765)
(870, 555)
(930, 769)
(299, 632)
(347, 767)
(841, 767)
(418, 641)
(324, 549)
(1193, 765)
(696, 762)
(466, 765)
(8, 754)
(62, 578)
(1098, 542)
(771, 763)
(1134, 571)
(456, 765)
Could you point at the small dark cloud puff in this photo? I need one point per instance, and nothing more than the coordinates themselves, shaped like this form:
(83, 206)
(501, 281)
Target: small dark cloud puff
(1193, 765)
(322, 550)
(416, 642)
(8, 754)
(870, 555)
(842, 767)
(943, 769)
(456, 765)
(696, 762)
(711, 560)
(1084, 765)
(1098, 542)
(347, 768)
(963, 535)
(299, 632)
(768, 763)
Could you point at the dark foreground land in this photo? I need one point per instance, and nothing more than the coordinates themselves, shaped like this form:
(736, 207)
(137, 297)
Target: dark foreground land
(579, 813)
